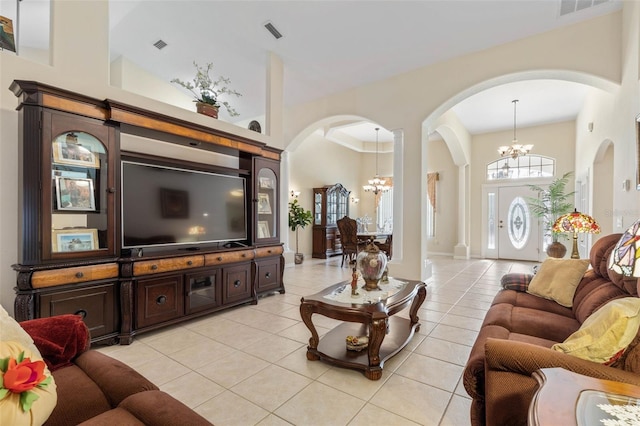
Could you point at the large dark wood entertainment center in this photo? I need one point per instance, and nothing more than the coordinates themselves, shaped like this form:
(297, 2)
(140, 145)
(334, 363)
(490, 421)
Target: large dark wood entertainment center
(71, 257)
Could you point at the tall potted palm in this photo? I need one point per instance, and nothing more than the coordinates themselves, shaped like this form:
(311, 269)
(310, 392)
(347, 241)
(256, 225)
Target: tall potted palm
(551, 203)
(298, 218)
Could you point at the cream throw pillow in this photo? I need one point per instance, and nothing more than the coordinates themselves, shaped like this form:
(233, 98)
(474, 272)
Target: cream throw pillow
(606, 333)
(557, 279)
(14, 341)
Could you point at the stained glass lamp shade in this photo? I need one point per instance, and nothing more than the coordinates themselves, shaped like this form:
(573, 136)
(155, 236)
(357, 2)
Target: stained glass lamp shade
(576, 223)
(625, 256)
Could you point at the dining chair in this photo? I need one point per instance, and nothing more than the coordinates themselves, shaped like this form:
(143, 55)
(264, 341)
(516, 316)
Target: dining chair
(351, 245)
(386, 245)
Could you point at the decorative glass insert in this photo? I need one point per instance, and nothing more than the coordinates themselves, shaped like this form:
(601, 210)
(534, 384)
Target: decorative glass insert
(491, 221)
(518, 222)
(523, 167)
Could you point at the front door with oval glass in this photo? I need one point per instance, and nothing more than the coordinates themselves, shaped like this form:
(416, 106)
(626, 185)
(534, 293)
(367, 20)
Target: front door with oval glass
(518, 234)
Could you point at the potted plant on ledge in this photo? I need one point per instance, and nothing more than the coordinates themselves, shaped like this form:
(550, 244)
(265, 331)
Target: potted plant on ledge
(206, 91)
(551, 203)
(298, 218)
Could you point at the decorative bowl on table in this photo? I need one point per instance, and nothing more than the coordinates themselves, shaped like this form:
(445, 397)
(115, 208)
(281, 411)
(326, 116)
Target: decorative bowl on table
(357, 343)
(371, 262)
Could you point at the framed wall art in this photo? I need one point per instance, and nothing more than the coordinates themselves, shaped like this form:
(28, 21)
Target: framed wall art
(67, 151)
(263, 229)
(264, 206)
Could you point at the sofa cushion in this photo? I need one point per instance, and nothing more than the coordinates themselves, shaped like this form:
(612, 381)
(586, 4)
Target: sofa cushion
(606, 333)
(516, 281)
(557, 279)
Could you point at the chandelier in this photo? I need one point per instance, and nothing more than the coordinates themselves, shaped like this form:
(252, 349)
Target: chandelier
(376, 185)
(515, 150)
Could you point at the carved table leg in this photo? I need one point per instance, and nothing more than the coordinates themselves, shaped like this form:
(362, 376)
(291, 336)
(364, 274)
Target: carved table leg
(306, 311)
(377, 331)
(417, 302)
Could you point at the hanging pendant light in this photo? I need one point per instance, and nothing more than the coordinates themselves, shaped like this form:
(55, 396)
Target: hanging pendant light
(376, 185)
(516, 149)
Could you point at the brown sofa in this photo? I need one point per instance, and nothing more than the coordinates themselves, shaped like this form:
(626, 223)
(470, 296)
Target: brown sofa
(518, 332)
(95, 389)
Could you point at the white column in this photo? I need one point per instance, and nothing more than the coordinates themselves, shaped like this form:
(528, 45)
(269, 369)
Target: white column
(461, 250)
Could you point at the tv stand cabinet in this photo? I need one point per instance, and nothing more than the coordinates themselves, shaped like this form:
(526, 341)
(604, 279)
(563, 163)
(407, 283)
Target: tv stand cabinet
(69, 256)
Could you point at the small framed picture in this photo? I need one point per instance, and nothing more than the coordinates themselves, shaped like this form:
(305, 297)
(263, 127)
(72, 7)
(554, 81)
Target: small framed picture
(265, 182)
(69, 152)
(264, 207)
(66, 240)
(75, 194)
(263, 229)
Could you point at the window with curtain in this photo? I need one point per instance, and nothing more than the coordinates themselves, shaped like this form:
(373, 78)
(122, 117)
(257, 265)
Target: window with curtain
(384, 207)
(432, 179)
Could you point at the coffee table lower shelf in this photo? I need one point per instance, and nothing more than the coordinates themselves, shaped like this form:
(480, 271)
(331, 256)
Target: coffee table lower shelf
(332, 346)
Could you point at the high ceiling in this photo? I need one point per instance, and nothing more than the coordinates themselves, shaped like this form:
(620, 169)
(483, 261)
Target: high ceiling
(332, 46)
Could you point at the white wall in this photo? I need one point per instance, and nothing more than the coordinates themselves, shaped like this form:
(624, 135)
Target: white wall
(446, 217)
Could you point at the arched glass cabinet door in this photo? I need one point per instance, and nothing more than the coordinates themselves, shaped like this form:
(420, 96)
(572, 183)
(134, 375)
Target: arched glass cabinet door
(266, 186)
(82, 191)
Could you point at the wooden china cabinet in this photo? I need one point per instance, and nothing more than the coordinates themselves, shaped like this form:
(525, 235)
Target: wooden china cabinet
(71, 254)
(330, 203)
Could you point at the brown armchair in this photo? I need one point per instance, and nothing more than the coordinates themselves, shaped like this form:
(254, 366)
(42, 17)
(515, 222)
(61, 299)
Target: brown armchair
(386, 246)
(351, 245)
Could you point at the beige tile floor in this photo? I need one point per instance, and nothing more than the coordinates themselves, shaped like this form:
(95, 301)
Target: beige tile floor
(247, 365)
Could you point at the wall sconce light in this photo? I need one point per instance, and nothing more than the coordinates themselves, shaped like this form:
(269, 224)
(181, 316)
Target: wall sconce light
(295, 194)
(355, 200)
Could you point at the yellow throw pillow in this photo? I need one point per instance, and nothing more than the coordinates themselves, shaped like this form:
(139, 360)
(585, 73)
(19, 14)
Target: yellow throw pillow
(606, 333)
(557, 279)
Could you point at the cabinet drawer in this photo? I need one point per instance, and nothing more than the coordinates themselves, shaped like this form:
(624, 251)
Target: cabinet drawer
(236, 283)
(167, 265)
(159, 299)
(79, 274)
(269, 251)
(96, 306)
(231, 257)
(268, 274)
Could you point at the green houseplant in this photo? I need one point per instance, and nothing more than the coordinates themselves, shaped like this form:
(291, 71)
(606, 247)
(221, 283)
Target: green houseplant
(298, 218)
(551, 203)
(206, 91)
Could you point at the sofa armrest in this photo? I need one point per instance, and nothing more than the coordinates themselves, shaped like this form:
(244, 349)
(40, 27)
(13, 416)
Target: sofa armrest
(525, 358)
(60, 338)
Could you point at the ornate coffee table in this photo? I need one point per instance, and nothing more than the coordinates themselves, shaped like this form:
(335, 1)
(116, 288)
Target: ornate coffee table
(373, 318)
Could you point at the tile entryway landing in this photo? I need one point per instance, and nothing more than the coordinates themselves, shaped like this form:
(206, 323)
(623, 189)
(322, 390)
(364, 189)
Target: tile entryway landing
(248, 365)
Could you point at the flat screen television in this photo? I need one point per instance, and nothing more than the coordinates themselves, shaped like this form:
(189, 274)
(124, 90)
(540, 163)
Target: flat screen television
(169, 206)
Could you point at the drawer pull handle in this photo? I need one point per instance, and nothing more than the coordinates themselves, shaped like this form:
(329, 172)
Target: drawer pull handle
(220, 258)
(267, 275)
(237, 283)
(161, 300)
(154, 267)
(79, 275)
(244, 254)
(190, 262)
(269, 251)
(82, 313)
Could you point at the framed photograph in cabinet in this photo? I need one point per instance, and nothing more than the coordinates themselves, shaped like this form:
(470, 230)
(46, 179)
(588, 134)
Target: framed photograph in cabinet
(68, 151)
(265, 182)
(174, 203)
(75, 194)
(264, 206)
(67, 240)
(263, 229)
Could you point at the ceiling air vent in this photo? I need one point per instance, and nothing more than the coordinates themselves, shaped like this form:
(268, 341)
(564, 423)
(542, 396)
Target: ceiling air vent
(160, 44)
(274, 32)
(571, 6)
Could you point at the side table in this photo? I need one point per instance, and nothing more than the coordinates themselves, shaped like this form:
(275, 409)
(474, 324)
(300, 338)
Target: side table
(567, 398)
(387, 333)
